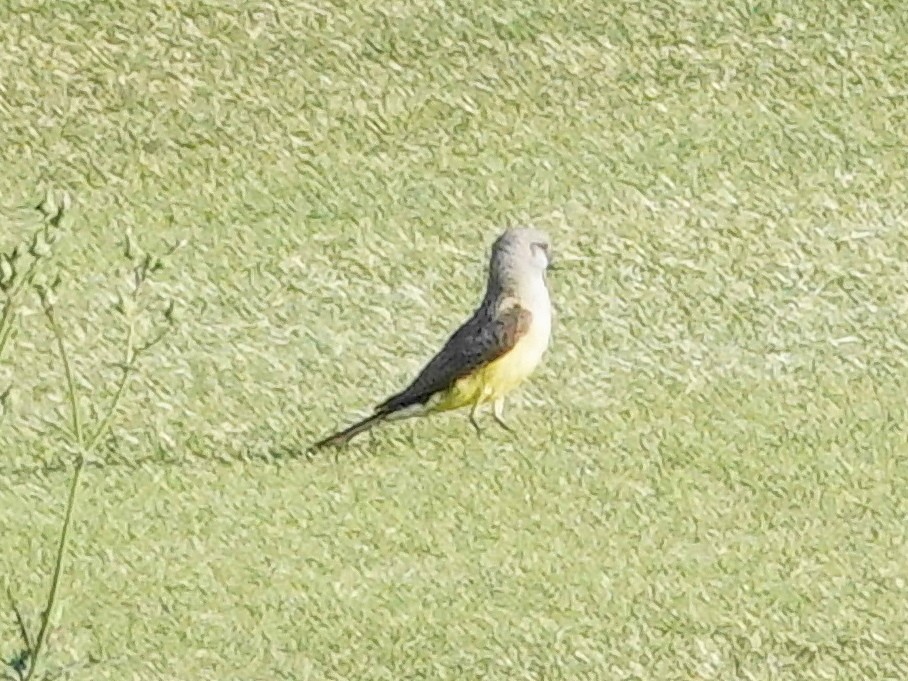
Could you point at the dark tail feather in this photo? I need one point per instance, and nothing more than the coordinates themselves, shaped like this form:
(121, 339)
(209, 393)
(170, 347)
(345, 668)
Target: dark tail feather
(344, 436)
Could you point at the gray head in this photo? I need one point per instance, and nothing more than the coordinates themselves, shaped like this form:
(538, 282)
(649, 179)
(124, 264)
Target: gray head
(519, 252)
(527, 246)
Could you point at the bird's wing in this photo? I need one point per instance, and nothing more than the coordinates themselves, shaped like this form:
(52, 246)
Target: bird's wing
(482, 339)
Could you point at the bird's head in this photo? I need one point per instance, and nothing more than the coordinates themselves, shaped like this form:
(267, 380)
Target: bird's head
(523, 246)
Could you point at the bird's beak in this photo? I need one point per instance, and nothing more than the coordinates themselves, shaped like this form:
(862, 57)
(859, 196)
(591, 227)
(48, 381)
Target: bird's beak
(564, 262)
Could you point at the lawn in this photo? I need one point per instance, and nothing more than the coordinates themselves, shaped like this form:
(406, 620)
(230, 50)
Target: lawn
(709, 479)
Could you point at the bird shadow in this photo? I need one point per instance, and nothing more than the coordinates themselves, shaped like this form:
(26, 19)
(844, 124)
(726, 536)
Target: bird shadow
(280, 452)
(292, 448)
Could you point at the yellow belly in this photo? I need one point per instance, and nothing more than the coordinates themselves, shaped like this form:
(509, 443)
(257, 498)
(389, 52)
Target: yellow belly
(496, 378)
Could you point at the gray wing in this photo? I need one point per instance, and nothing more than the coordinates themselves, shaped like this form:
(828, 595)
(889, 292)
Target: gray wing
(482, 339)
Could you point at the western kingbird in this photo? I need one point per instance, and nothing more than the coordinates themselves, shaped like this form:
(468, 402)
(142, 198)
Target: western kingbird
(495, 349)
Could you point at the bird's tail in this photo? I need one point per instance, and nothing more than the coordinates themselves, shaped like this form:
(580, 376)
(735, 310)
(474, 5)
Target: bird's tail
(344, 436)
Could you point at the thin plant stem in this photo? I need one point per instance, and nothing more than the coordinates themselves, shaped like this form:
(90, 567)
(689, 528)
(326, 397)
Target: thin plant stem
(58, 570)
(70, 381)
(20, 620)
(85, 442)
(73, 490)
(6, 325)
(26, 638)
(125, 372)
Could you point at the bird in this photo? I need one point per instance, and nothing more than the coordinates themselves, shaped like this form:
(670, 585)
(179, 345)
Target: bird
(491, 353)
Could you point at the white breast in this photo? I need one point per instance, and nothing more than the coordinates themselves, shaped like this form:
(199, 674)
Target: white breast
(536, 300)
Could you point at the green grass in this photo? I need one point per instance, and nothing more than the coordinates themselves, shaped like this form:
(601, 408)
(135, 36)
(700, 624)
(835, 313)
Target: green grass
(710, 478)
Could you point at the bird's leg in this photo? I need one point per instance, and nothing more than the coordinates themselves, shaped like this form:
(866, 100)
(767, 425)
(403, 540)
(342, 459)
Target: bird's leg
(473, 420)
(498, 413)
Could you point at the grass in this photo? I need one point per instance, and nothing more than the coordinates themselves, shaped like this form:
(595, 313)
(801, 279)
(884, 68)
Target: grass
(709, 480)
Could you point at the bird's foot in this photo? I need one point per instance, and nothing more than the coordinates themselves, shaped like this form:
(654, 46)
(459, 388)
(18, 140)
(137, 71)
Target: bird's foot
(504, 424)
(475, 424)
